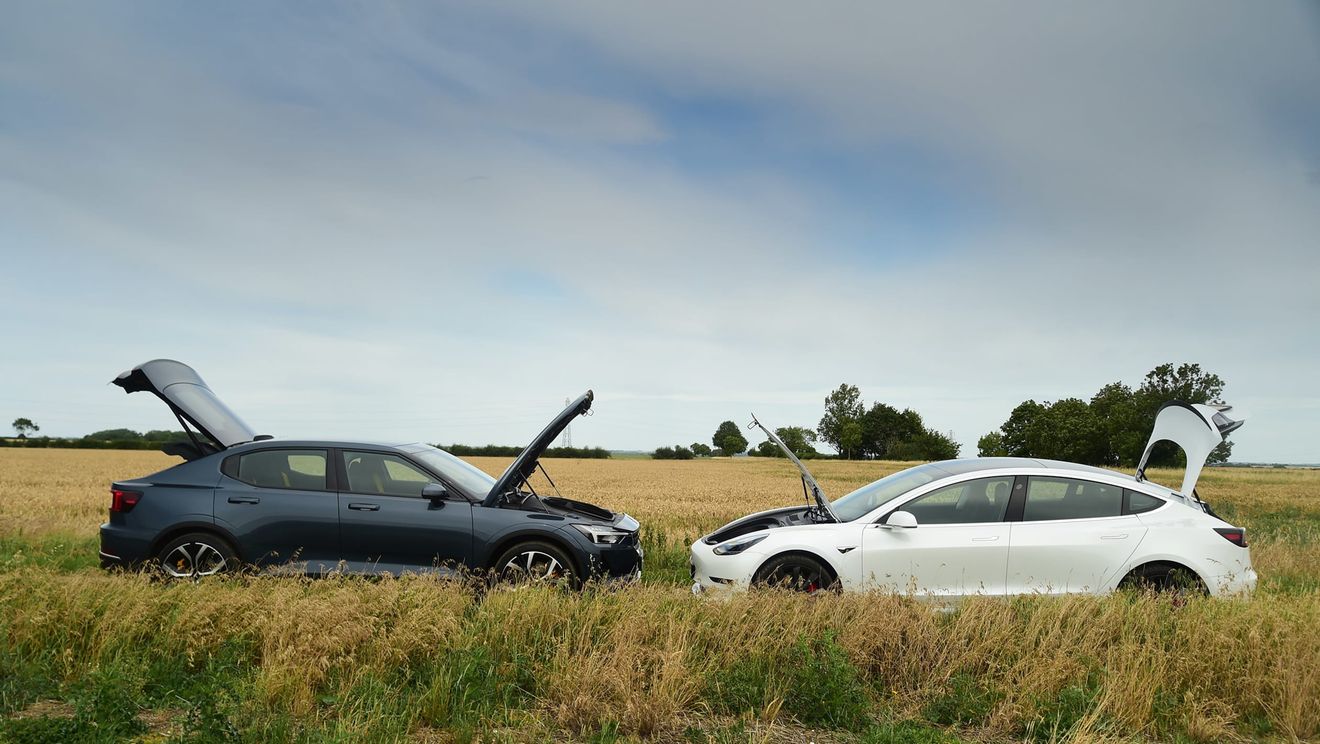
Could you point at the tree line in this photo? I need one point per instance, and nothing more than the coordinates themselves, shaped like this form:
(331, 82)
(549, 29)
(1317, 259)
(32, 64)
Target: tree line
(500, 450)
(1111, 428)
(852, 429)
(104, 439)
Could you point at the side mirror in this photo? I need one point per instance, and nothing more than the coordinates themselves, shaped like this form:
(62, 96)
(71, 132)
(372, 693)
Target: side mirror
(906, 520)
(435, 492)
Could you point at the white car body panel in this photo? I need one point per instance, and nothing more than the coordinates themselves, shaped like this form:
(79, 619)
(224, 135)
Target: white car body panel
(942, 560)
(948, 561)
(1071, 555)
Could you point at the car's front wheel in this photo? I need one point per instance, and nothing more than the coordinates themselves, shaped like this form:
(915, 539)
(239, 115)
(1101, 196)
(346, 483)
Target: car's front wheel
(796, 572)
(197, 554)
(535, 563)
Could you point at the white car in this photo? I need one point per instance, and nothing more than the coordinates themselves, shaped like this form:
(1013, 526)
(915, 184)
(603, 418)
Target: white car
(995, 526)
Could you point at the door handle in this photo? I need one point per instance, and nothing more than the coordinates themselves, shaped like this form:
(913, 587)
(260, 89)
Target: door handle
(992, 538)
(244, 500)
(1117, 536)
(364, 507)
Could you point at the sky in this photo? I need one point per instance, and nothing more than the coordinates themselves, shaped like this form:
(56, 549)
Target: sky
(437, 221)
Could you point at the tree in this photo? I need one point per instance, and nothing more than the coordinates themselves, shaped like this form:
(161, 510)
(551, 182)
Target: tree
(925, 445)
(766, 449)
(701, 450)
(842, 406)
(1019, 424)
(1111, 428)
(115, 434)
(682, 453)
(24, 426)
(884, 426)
(729, 439)
(850, 438)
(798, 439)
(663, 453)
(991, 445)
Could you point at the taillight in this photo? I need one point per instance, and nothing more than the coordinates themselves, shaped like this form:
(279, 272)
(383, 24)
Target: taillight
(123, 501)
(1235, 535)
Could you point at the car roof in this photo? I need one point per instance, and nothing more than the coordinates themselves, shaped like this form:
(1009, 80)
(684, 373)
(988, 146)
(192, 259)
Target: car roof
(976, 464)
(342, 444)
(1058, 467)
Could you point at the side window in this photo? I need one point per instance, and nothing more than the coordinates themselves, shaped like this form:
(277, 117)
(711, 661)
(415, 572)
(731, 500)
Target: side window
(969, 502)
(386, 475)
(1065, 498)
(280, 468)
(1140, 503)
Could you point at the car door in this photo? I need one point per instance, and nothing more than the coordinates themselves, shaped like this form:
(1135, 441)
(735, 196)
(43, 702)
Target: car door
(1072, 537)
(278, 504)
(959, 546)
(387, 525)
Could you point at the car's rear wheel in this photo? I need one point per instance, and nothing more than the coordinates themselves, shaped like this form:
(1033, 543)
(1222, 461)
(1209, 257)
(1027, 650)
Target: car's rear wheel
(197, 554)
(1164, 578)
(799, 573)
(535, 563)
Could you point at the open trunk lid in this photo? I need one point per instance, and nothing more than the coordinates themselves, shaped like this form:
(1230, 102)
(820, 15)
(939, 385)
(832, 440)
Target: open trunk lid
(1196, 428)
(525, 464)
(188, 396)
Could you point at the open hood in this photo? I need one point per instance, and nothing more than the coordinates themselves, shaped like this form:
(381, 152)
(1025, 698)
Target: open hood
(525, 464)
(808, 480)
(187, 395)
(1197, 428)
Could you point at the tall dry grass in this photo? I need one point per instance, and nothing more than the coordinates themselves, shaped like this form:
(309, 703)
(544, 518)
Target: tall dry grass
(413, 656)
(646, 658)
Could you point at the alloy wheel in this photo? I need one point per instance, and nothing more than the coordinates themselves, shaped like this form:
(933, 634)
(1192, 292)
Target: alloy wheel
(193, 560)
(534, 566)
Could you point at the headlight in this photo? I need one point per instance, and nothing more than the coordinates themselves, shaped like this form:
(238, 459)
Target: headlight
(601, 535)
(738, 545)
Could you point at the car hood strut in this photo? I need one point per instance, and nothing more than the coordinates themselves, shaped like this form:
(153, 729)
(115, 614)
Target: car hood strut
(809, 483)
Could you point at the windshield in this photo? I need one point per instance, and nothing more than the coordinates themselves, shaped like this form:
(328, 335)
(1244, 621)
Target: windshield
(868, 497)
(462, 474)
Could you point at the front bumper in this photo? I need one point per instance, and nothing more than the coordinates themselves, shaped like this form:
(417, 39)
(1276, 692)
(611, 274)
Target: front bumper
(618, 562)
(722, 573)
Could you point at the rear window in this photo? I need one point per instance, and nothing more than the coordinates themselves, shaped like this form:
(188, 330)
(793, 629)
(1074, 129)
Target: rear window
(282, 468)
(1140, 503)
(1068, 498)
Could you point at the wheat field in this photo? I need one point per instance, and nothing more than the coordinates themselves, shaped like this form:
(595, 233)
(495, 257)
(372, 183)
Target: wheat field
(92, 656)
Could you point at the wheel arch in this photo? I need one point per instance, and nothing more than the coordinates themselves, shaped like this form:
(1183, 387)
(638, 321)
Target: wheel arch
(508, 541)
(179, 530)
(1166, 564)
(802, 552)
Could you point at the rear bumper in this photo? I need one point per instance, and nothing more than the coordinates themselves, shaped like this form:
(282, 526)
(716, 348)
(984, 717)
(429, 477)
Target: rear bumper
(1239, 584)
(123, 548)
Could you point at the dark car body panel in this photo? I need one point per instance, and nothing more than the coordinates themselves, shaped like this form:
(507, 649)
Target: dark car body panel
(405, 534)
(312, 522)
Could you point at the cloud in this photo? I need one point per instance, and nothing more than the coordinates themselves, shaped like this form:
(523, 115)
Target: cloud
(409, 222)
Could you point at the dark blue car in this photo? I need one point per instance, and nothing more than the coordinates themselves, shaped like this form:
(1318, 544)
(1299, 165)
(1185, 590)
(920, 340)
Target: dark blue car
(246, 500)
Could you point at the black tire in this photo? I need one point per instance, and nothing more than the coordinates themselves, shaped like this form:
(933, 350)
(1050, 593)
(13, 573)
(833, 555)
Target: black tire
(1164, 578)
(195, 555)
(535, 562)
(799, 573)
